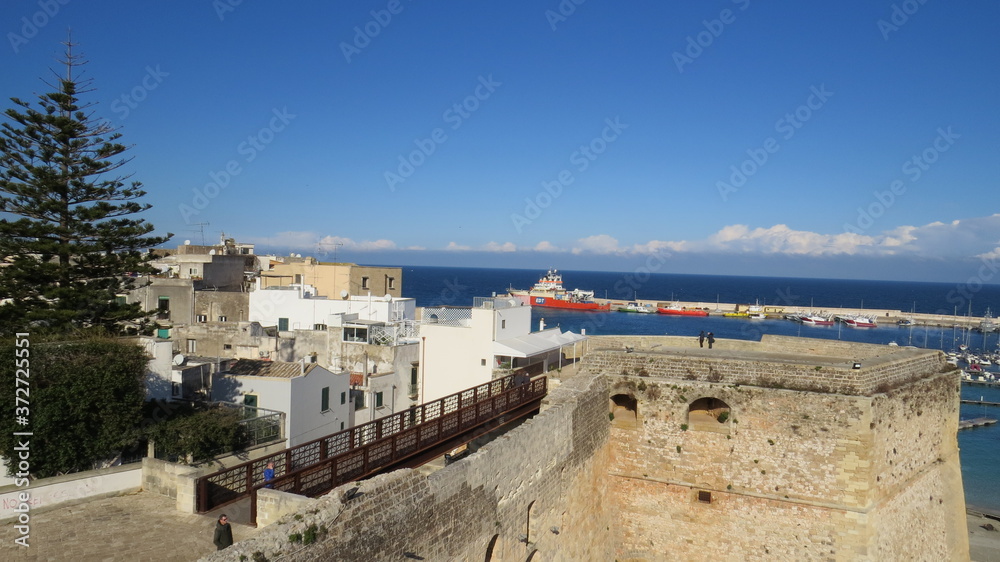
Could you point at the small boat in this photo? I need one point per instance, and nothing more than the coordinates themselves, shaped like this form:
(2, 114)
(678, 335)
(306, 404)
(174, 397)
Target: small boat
(636, 307)
(906, 322)
(816, 319)
(676, 310)
(756, 312)
(859, 321)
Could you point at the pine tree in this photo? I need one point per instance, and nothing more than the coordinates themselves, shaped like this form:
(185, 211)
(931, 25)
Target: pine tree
(69, 237)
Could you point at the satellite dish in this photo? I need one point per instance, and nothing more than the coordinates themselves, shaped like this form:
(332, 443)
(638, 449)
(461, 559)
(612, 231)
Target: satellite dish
(387, 298)
(179, 359)
(187, 242)
(344, 294)
(211, 252)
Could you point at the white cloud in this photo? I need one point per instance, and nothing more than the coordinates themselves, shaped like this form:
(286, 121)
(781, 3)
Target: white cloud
(545, 246)
(330, 242)
(598, 244)
(453, 247)
(505, 247)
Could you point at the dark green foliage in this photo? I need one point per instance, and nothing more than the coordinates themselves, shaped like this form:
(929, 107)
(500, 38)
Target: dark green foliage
(723, 416)
(85, 402)
(202, 435)
(68, 231)
(309, 536)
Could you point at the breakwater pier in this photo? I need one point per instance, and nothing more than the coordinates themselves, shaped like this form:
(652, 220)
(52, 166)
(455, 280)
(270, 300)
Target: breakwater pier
(882, 315)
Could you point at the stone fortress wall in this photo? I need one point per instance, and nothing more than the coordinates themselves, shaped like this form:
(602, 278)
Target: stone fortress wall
(813, 459)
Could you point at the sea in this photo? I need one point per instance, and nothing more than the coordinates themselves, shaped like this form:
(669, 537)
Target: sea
(980, 447)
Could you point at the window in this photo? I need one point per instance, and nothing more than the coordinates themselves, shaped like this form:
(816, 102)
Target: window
(325, 400)
(227, 346)
(192, 346)
(391, 283)
(319, 327)
(250, 400)
(192, 271)
(503, 324)
(222, 319)
(341, 426)
(175, 389)
(482, 362)
(343, 398)
(282, 324)
(378, 399)
(202, 318)
(355, 334)
(298, 278)
(704, 496)
(364, 283)
(163, 308)
(120, 299)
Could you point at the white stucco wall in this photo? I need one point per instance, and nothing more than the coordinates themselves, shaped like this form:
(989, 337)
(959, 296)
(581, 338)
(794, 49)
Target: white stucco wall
(300, 398)
(267, 305)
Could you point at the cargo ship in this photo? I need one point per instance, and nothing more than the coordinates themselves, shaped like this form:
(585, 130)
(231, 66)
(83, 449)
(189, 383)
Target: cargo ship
(549, 292)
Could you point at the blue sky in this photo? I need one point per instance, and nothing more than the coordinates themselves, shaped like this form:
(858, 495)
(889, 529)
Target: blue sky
(850, 139)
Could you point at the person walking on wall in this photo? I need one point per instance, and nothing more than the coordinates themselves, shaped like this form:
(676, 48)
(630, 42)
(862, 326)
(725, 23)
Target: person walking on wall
(711, 339)
(223, 533)
(701, 339)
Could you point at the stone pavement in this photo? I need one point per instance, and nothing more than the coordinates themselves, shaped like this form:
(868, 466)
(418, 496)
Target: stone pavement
(138, 527)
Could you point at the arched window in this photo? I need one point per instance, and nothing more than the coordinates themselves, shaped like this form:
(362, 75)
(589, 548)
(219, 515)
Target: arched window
(624, 411)
(489, 548)
(709, 414)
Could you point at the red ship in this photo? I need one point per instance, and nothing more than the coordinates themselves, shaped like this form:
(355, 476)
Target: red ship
(549, 292)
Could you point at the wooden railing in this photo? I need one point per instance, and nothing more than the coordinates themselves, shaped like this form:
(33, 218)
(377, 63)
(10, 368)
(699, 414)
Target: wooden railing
(323, 464)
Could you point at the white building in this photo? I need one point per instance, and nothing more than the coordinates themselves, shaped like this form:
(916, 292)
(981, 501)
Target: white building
(462, 347)
(316, 402)
(297, 307)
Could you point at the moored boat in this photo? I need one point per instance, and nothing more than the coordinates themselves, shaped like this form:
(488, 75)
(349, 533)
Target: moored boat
(550, 293)
(859, 321)
(635, 307)
(676, 310)
(815, 319)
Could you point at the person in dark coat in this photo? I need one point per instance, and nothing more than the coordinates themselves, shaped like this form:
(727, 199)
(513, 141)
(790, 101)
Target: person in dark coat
(223, 533)
(711, 339)
(701, 339)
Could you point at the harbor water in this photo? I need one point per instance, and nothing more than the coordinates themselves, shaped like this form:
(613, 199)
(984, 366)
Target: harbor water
(980, 447)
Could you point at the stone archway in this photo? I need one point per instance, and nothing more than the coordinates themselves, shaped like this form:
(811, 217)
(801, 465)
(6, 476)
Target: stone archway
(709, 414)
(624, 411)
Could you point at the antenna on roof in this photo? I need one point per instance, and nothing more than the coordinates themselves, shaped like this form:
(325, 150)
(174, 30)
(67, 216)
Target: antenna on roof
(201, 228)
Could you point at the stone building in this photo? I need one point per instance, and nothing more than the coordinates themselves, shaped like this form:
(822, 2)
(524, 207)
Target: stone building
(783, 449)
(334, 279)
